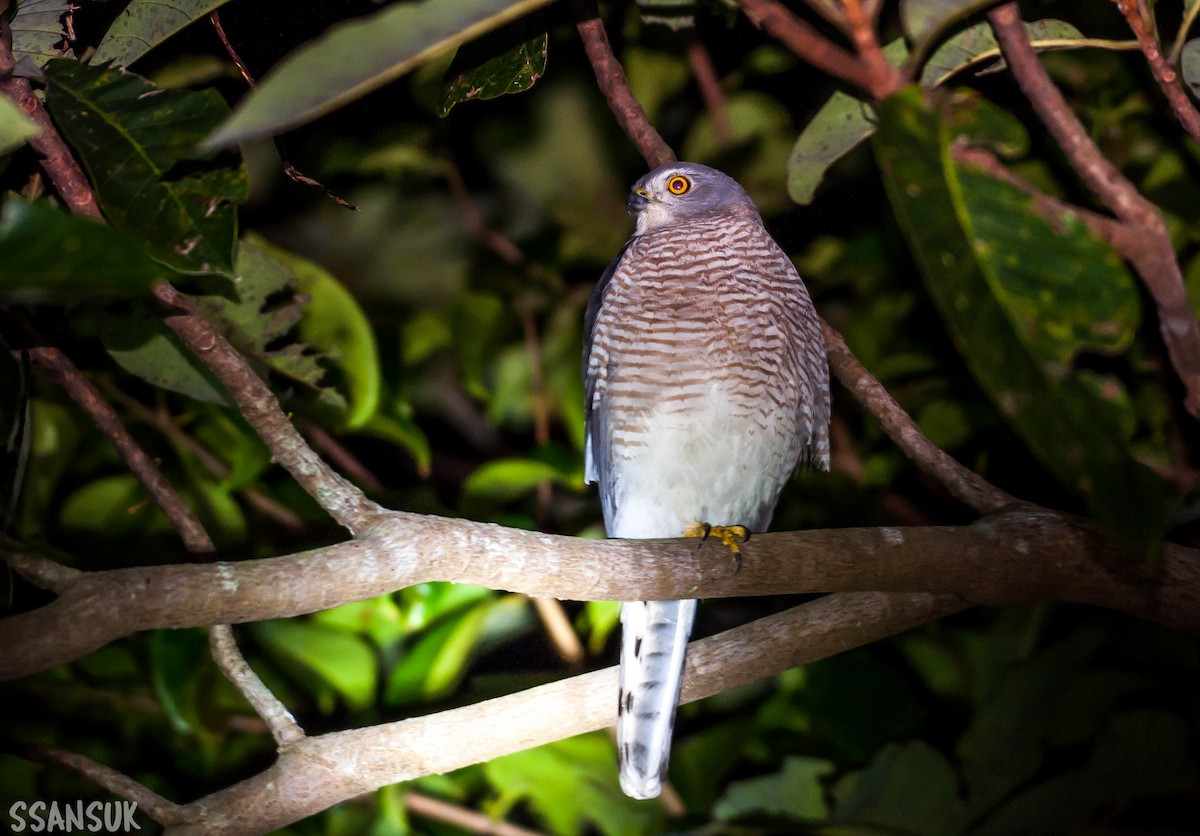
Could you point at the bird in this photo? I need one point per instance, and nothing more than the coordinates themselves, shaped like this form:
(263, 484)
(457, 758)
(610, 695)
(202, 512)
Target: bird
(706, 383)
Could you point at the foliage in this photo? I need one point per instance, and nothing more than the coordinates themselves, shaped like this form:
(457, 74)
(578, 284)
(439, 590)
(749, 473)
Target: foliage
(433, 338)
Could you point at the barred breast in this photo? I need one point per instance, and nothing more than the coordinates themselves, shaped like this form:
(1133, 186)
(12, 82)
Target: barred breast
(710, 379)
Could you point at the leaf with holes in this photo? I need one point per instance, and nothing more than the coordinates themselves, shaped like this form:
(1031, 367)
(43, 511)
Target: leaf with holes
(508, 60)
(138, 143)
(37, 30)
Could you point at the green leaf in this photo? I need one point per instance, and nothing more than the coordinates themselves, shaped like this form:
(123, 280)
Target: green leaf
(925, 20)
(794, 792)
(1189, 64)
(332, 322)
(137, 143)
(907, 788)
(505, 479)
(52, 256)
(113, 506)
(358, 56)
(176, 659)
(837, 129)
(266, 311)
(37, 28)
(142, 345)
(572, 786)
(144, 24)
(440, 658)
(341, 660)
(508, 60)
(402, 430)
(15, 127)
(967, 46)
(1022, 297)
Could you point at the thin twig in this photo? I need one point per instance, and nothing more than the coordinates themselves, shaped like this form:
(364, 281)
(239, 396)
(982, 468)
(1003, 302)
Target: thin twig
(289, 169)
(336, 452)
(499, 244)
(266, 705)
(59, 368)
(965, 485)
(258, 405)
(158, 808)
(1116, 234)
(705, 73)
(1185, 26)
(162, 421)
(57, 161)
(469, 820)
(613, 84)
(1154, 260)
(801, 38)
(1164, 73)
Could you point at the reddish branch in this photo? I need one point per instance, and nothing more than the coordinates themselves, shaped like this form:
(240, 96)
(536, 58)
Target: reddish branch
(1163, 72)
(341, 499)
(59, 368)
(802, 39)
(709, 85)
(1151, 254)
(612, 82)
(57, 162)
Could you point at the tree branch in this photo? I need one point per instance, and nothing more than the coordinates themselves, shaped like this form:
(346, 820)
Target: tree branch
(322, 771)
(257, 403)
(1017, 556)
(119, 784)
(59, 368)
(822, 53)
(1154, 260)
(613, 84)
(229, 659)
(57, 161)
(963, 484)
(1163, 72)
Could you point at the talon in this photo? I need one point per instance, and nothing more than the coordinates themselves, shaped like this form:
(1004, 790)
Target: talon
(731, 536)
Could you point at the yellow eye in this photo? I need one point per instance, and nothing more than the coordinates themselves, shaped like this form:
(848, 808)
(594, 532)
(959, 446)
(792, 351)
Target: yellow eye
(678, 184)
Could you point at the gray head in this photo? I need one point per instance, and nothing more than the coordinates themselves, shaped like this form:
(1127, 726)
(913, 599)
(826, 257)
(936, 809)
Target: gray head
(680, 191)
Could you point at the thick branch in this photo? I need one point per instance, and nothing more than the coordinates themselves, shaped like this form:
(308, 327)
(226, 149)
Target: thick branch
(1020, 555)
(613, 84)
(344, 502)
(322, 771)
(1155, 260)
(963, 484)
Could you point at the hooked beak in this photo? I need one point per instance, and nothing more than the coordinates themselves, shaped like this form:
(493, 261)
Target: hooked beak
(638, 200)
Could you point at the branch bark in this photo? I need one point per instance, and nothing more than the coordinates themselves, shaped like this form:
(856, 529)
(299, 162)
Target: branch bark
(322, 771)
(257, 403)
(1154, 260)
(1016, 556)
(612, 82)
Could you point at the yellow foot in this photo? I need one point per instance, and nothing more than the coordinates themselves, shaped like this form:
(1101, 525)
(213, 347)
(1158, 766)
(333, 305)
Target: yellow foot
(731, 536)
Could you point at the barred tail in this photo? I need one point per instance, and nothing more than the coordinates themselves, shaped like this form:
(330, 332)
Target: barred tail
(654, 637)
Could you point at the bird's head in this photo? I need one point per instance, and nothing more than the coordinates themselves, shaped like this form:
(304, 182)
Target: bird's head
(680, 191)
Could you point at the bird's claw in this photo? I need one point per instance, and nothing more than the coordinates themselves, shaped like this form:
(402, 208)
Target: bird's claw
(731, 536)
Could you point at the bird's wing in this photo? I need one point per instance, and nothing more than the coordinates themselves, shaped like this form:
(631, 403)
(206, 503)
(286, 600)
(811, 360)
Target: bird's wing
(591, 377)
